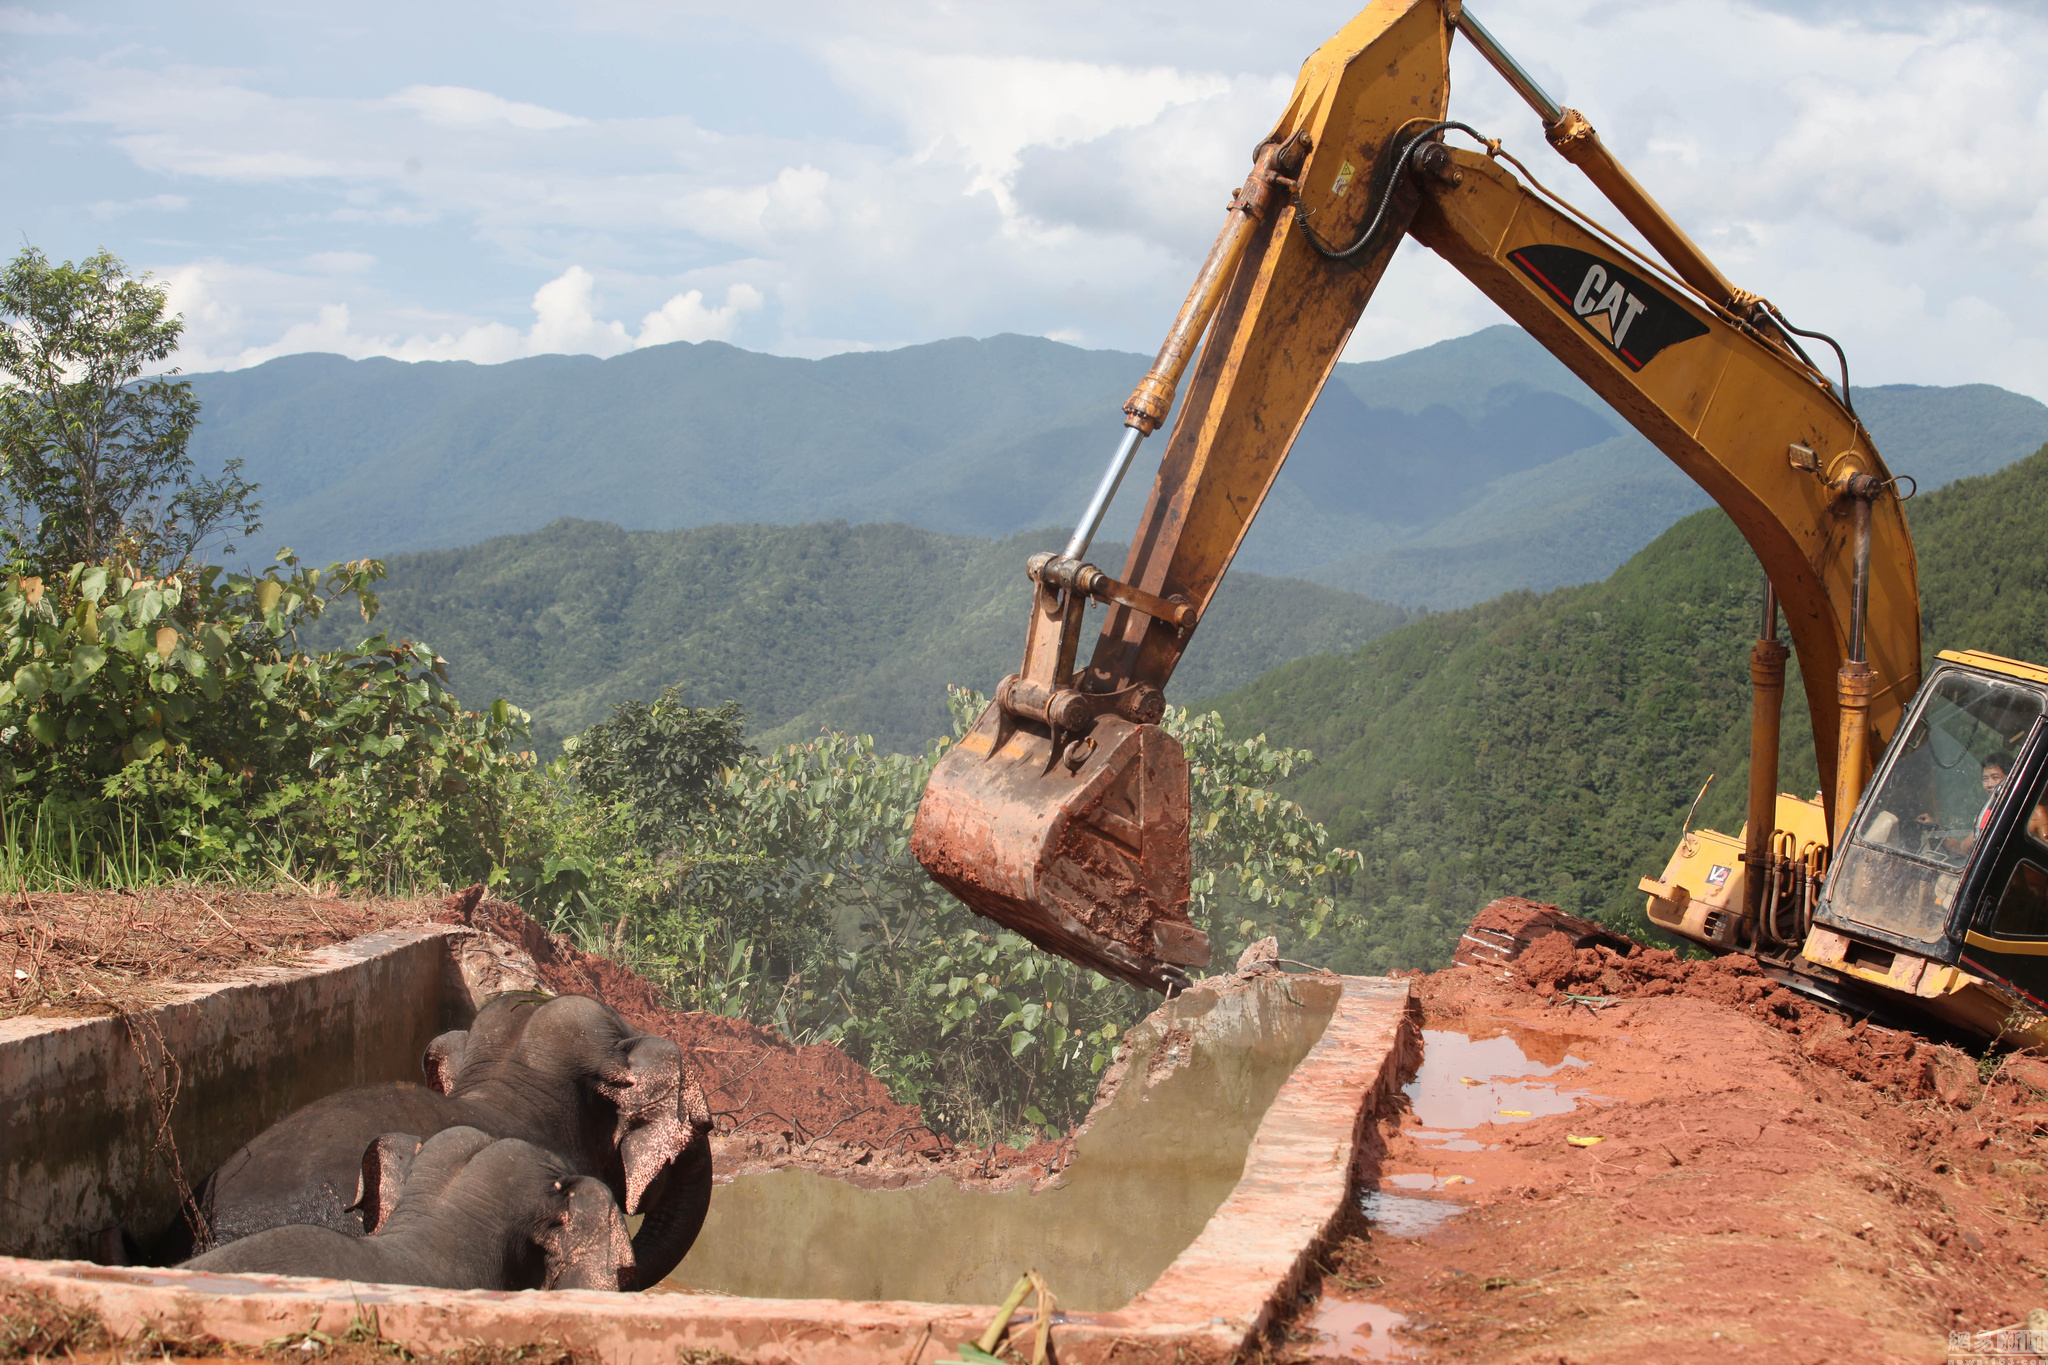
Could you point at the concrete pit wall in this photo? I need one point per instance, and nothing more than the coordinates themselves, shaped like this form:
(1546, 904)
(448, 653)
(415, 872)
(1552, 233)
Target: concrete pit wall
(78, 1126)
(1236, 1124)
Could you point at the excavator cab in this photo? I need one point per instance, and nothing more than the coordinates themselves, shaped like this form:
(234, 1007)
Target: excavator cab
(1941, 887)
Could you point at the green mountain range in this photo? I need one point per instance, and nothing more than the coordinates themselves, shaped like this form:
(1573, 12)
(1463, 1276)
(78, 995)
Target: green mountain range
(1549, 745)
(1438, 478)
(857, 628)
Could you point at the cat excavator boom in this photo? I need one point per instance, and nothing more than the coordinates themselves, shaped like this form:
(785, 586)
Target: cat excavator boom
(1063, 813)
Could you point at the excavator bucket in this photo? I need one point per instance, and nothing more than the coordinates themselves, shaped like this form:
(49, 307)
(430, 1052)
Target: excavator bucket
(1083, 850)
(1063, 814)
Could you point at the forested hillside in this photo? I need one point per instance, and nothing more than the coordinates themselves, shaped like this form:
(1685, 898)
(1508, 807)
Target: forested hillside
(859, 628)
(1438, 478)
(1549, 745)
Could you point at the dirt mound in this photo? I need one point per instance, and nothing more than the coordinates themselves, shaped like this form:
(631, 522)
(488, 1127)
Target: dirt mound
(1588, 978)
(758, 1083)
(1511, 926)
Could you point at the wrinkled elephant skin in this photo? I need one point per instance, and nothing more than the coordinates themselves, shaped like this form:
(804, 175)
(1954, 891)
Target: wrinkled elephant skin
(472, 1212)
(565, 1074)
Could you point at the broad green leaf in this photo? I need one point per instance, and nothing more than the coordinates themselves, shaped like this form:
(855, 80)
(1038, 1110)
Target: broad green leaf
(31, 681)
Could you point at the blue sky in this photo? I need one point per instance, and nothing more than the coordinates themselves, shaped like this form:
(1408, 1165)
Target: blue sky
(466, 181)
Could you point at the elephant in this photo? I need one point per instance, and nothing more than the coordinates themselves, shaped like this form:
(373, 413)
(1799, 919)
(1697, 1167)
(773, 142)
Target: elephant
(564, 1073)
(464, 1210)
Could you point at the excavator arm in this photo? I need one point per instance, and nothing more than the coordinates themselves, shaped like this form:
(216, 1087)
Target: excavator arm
(1063, 813)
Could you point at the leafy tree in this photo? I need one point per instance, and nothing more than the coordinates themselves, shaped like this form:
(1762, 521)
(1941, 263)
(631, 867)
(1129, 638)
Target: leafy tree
(93, 457)
(794, 901)
(661, 760)
(166, 709)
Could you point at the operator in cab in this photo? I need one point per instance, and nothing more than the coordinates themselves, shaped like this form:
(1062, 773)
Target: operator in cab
(1991, 779)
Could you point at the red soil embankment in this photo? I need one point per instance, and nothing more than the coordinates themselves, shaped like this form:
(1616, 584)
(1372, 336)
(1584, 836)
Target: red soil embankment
(1770, 1181)
(758, 1083)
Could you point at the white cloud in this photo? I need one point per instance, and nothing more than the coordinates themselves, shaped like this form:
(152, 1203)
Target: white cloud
(155, 203)
(28, 23)
(685, 318)
(458, 106)
(983, 111)
(921, 168)
(1167, 179)
(566, 320)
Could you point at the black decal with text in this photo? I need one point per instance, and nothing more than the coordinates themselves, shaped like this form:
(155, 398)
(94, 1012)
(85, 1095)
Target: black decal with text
(1634, 319)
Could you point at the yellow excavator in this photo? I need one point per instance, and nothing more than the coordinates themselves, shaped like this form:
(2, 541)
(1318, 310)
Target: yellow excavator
(1063, 813)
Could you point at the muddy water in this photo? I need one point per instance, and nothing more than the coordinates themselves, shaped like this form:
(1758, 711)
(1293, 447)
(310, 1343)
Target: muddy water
(1358, 1331)
(1152, 1166)
(1472, 1084)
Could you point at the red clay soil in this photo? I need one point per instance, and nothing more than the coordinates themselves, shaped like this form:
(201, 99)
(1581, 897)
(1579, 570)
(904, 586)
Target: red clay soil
(756, 1081)
(775, 1103)
(94, 951)
(1771, 1183)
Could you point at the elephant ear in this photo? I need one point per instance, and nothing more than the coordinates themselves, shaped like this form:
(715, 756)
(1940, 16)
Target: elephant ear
(386, 1163)
(443, 1060)
(586, 1242)
(659, 1109)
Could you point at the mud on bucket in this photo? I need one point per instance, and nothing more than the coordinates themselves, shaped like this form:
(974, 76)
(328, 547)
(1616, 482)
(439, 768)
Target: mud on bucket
(1086, 856)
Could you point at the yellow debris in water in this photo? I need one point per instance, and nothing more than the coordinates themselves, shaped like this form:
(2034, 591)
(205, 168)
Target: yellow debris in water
(1466, 1080)
(1516, 1113)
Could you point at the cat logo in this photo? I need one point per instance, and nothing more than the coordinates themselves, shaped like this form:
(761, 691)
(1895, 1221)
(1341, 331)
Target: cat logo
(1635, 320)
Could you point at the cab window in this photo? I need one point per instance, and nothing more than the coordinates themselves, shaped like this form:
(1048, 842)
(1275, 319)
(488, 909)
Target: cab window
(1919, 826)
(2023, 908)
(2023, 903)
(1937, 790)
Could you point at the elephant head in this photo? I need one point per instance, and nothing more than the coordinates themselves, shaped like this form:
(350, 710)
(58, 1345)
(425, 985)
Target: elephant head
(663, 1134)
(583, 1236)
(659, 1105)
(634, 1110)
(513, 1207)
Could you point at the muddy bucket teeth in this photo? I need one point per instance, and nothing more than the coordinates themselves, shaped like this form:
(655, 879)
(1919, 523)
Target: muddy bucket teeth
(1087, 856)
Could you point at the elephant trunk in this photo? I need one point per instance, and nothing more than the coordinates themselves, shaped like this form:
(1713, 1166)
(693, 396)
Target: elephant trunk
(675, 1214)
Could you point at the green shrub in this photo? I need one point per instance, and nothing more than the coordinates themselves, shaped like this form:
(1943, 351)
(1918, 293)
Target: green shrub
(177, 714)
(789, 897)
